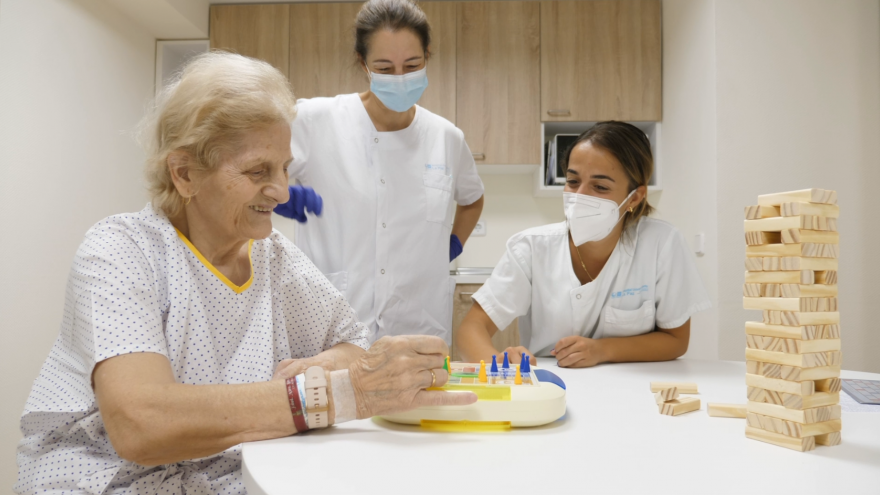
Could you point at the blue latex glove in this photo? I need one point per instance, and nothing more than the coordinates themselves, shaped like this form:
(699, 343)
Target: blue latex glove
(455, 247)
(302, 199)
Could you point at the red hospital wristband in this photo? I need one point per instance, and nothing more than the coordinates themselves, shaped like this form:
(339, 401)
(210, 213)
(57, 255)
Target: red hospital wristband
(296, 406)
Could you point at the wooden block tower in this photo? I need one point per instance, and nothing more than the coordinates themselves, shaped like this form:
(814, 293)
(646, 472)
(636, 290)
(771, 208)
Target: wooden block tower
(793, 355)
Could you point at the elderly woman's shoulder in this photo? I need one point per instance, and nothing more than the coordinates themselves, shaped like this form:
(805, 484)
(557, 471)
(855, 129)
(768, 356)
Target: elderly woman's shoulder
(146, 226)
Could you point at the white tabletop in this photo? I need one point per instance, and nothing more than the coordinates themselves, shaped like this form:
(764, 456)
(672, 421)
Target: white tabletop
(611, 440)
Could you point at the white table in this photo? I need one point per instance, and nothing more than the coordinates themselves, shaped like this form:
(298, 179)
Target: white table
(611, 440)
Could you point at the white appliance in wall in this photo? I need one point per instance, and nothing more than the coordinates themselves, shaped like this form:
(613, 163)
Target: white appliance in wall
(171, 55)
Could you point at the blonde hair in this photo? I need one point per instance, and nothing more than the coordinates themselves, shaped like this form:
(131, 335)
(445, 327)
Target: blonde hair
(204, 111)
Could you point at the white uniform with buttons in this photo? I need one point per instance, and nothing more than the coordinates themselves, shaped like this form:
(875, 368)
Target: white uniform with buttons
(389, 197)
(649, 281)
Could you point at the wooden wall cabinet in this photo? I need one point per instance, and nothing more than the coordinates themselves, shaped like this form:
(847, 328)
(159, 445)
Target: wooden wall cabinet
(259, 31)
(498, 80)
(601, 60)
(461, 304)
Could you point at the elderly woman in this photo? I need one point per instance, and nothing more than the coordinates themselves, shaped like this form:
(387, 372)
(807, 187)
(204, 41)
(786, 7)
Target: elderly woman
(188, 325)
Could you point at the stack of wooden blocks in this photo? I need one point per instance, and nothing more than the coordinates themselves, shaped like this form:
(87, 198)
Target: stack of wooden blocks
(793, 355)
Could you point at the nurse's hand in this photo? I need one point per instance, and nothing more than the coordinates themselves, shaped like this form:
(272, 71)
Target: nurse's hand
(393, 375)
(578, 352)
(302, 199)
(514, 354)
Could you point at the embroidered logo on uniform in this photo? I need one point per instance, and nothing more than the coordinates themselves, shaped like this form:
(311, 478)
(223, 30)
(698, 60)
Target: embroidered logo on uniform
(435, 168)
(629, 292)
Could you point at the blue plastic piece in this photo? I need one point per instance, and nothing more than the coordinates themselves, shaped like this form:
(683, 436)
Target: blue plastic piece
(494, 368)
(546, 376)
(525, 364)
(506, 363)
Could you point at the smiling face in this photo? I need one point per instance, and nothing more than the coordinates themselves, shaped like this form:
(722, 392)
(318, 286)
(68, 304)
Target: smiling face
(235, 201)
(594, 171)
(395, 52)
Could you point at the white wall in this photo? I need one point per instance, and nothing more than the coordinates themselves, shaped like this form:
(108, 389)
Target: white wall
(798, 106)
(74, 78)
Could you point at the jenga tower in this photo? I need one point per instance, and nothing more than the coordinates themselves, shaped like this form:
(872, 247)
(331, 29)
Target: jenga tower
(793, 355)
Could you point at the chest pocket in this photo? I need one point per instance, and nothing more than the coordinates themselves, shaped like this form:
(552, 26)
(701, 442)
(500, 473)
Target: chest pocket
(627, 323)
(438, 194)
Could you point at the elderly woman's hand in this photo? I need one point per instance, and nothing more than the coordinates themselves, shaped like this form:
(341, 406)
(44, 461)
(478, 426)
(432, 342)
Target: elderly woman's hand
(393, 375)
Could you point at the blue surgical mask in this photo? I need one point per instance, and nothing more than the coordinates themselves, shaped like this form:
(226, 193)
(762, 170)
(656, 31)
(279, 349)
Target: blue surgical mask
(399, 93)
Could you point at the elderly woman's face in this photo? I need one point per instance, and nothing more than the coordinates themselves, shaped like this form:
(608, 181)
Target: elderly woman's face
(238, 198)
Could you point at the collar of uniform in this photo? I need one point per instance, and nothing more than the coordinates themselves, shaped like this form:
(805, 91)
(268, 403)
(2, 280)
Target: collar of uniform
(403, 138)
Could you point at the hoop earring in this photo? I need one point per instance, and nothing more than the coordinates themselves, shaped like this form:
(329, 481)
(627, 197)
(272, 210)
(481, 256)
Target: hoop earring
(187, 200)
(630, 209)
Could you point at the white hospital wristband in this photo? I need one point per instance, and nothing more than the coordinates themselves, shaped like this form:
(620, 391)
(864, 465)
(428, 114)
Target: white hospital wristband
(343, 396)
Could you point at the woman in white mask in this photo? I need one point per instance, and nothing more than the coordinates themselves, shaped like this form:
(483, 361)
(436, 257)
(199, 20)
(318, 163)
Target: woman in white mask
(389, 173)
(607, 285)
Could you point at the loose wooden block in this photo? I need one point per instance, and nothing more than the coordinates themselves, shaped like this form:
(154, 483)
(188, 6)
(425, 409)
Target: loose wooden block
(796, 236)
(799, 208)
(829, 439)
(801, 222)
(828, 385)
(769, 264)
(666, 395)
(787, 277)
(806, 249)
(818, 399)
(756, 238)
(822, 196)
(801, 318)
(683, 387)
(753, 212)
(808, 332)
(812, 360)
(800, 444)
(791, 428)
(804, 304)
(775, 384)
(718, 410)
(680, 406)
(804, 416)
(828, 277)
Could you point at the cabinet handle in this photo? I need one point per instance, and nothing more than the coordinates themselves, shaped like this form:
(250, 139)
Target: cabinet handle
(479, 156)
(559, 113)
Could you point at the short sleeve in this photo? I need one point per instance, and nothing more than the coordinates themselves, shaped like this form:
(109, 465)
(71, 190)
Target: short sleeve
(118, 310)
(468, 186)
(679, 291)
(299, 140)
(508, 292)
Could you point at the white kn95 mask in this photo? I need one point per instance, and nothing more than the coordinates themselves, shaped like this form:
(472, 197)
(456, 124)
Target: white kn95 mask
(590, 218)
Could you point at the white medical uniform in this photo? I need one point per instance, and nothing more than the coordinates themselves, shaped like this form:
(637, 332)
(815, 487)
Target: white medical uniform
(137, 285)
(649, 281)
(383, 237)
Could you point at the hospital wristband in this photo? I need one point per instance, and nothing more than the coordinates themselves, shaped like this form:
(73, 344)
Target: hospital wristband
(296, 405)
(301, 388)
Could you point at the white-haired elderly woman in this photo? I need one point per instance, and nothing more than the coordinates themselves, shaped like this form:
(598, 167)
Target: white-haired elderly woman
(188, 326)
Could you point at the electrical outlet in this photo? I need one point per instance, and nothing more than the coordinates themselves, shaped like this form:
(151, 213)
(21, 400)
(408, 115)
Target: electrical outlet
(480, 229)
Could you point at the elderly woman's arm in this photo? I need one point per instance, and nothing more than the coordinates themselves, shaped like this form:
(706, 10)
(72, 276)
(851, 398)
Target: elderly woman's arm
(153, 420)
(338, 357)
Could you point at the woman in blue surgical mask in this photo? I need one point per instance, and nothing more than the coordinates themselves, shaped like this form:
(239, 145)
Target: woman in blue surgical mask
(607, 285)
(400, 189)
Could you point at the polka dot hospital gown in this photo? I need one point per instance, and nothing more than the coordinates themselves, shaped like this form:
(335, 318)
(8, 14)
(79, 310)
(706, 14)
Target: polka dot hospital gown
(137, 285)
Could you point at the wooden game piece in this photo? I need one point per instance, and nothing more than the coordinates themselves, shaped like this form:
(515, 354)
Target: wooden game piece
(817, 345)
(811, 291)
(806, 249)
(680, 406)
(804, 416)
(481, 376)
(791, 346)
(828, 439)
(717, 410)
(828, 385)
(788, 263)
(756, 394)
(753, 367)
(756, 238)
(665, 395)
(798, 208)
(797, 236)
(683, 387)
(801, 222)
(791, 428)
(804, 304)
(781, 277)
(822, 196)
(797, 374)
(517, 380)
(801, 318)
(818, 399)
(754, 264)
(828, 277)
(800, 444)
(752, 290)
(812, 360)
(754, 212)
(778, 385)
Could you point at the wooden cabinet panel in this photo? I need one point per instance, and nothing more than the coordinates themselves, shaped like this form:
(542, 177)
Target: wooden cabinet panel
(498, 80)
(601, 60)
(259, 31)
(322, 58)
(440, 95)
(461, 304)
